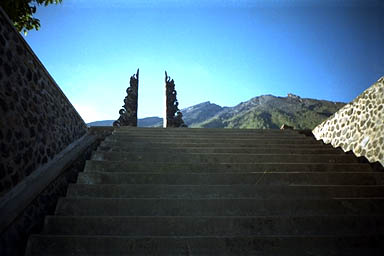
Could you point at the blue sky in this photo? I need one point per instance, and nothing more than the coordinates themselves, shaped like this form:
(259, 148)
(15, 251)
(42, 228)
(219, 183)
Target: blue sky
(225, 52)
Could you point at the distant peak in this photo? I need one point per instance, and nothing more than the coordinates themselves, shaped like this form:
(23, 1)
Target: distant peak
(203, 104)
(291, 95)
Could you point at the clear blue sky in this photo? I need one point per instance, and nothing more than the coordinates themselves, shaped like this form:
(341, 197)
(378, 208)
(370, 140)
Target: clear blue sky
(225, 52)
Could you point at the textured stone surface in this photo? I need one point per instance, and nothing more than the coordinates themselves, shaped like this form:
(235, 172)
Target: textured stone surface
(358, 126)
(173, 116)
(128, 114)
(30, 220)
(147, 207)
(13, 239)
(36, 119)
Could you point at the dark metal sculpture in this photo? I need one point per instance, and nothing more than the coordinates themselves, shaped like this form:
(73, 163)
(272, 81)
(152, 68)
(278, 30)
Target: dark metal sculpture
(173, 116)
(128, 114)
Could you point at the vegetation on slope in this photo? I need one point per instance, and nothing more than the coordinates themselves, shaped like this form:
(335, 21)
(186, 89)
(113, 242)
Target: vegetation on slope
(263, 112)
(270, 112)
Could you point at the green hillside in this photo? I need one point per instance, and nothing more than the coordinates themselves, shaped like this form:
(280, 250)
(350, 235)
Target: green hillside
(262, 112)
(270, 112)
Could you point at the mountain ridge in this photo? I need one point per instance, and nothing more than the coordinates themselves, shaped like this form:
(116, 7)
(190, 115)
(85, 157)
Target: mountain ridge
(260, 112)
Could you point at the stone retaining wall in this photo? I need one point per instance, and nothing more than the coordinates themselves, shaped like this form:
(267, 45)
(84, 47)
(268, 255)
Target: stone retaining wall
(359, 125)
(22, 213)
(14, 239)
(37, 120)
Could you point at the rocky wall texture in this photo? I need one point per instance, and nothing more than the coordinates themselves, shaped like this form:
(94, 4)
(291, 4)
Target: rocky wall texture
(13, 241)
(359, 125)
(36, 119)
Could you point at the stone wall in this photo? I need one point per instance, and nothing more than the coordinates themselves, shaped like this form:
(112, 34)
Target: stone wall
(22, 211)
(36, 119)
(359, 125)
(14, 239)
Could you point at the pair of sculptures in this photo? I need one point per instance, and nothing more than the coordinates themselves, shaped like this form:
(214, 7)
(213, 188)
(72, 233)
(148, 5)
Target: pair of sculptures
(128, 114)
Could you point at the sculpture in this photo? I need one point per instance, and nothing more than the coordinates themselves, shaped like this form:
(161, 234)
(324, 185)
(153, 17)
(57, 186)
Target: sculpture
(286, 127)
(128, 114)
(173, 116)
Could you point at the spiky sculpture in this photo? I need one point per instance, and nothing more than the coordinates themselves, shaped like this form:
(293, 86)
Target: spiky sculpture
(173, 116)
(128, 114)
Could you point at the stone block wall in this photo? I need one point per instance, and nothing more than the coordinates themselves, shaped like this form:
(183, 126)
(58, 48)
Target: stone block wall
(14, 239)
(36, 119)
(359, 125)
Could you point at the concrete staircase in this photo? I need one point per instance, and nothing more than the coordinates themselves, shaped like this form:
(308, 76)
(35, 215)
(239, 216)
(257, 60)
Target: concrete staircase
(217, 192)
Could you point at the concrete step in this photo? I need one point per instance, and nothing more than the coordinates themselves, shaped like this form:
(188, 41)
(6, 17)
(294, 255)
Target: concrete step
(224, 191)
(171, 145)
(151, 191)
(213, 226)
(223, 133)
(353, 245)
(215, 141)
(129, 166)
(224, 137)
(222, 157)
(69, 206)
(259, 178)
(239, 150)
(140, 130)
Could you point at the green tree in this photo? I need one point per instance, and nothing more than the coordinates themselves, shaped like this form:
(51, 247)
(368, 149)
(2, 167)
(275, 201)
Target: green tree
(21, 12)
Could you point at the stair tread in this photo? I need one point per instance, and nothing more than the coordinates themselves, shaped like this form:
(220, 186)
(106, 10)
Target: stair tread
(152, 191)
(216, 207)
(222, 157)
(214, 225)
(272, 144)
(207, 245)
(219, 191)
(228, 178)
(94, 165)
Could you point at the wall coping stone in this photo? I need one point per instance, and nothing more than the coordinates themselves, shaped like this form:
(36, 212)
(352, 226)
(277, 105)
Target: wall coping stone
(14, 202)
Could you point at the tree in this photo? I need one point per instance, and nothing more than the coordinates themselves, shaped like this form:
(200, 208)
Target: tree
(21, 12)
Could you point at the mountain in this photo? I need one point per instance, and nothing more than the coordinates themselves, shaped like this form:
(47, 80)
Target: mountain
(142, 122)
(268, 112)
(262, 112)
(199, 113)
(193, 116)
(153, 121)
(101, 123)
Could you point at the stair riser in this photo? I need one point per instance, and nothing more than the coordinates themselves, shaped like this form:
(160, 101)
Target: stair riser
(141, 130)
(214, 226)
(170, 145)
(126, 166)
(216, 192)
(218, 141)
(233, 178)
(261, 178)
(267, 246)
(222, 158)
(218, 137)
(205, 144)
(260, 150)
(190, 132)
(216, 207)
